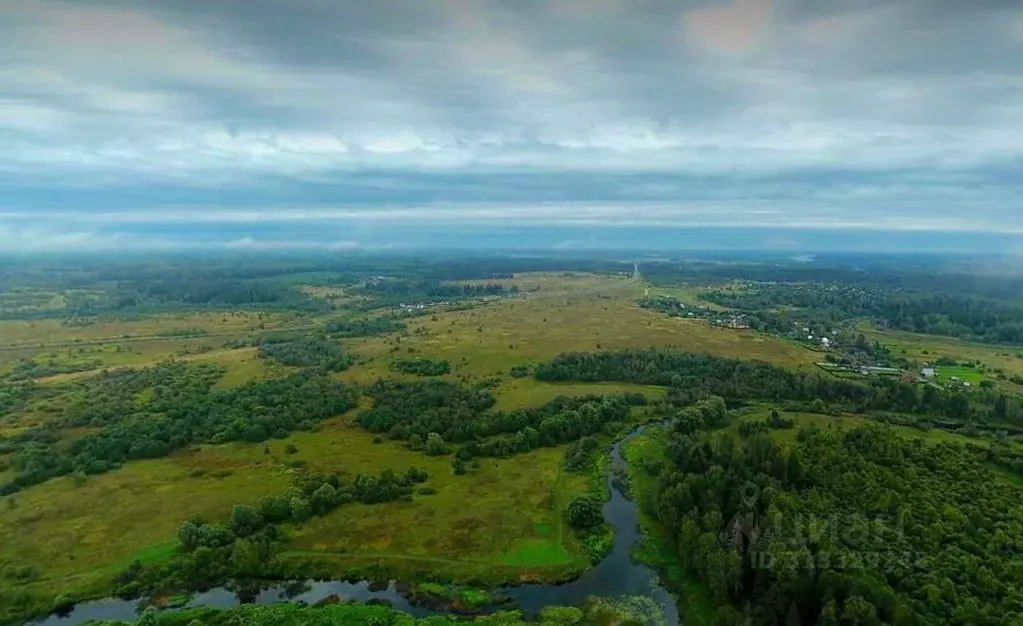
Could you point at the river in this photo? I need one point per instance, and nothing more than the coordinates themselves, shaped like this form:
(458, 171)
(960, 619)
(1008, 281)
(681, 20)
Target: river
(615, 576)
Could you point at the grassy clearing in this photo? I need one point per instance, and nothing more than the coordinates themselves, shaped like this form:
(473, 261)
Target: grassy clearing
(928, 348)
(656, 549)
(241, 365)
(690, 296)
(503, 514)
(79, 536)
(124, 353)
(577, 314)
(949, 373)
(517, 393)
(47, 331)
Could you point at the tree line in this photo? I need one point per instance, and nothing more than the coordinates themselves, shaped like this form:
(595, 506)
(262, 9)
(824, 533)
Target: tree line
(430, 414)
(244, 546)
(150, 413)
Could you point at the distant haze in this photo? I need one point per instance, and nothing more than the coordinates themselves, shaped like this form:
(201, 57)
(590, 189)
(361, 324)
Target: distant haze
(858, 125)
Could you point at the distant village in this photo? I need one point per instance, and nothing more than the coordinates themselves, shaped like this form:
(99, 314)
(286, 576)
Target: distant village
(845, 353)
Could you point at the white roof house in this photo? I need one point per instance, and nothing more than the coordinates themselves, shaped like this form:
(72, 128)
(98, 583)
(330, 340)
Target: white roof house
(928, 372)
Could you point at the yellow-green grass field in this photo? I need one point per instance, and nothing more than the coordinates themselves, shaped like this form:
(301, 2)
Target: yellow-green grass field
(136, 343)
(600, 315)
(49, 331)
(555, 314)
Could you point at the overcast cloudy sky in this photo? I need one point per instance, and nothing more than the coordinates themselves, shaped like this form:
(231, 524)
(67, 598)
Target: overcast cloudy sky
(357, 123)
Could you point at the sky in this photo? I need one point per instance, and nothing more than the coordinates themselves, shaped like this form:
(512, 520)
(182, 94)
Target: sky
(564, 124)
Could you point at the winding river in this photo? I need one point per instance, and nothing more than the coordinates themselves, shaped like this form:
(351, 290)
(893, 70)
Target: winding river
(615, 576)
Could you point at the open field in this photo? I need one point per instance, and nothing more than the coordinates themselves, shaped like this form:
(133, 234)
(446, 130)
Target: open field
(689, 296)
(514, 520)
(972, 375)
(556, 314)
(597, 314)
(517, 393)
(46, 331)
(928, 348)
(78, 536)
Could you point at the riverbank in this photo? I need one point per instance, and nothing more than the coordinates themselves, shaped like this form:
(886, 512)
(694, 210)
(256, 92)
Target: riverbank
(616, 575)
(648, 449)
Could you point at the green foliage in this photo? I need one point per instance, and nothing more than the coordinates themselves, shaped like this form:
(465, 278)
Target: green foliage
(693, 376)
(305, 351)
(366, 327)
(246, 520)
(422, 407)
(586, 513)
(393, 291)
(421, 366)
(560, 616)
(579, 454)
(521, 371)
(212, 553)
(957, 315)
(435, 445)
(14, 397)
(458, 415)
(180, 407)
(29, 369)
(597, 612)
(892, 521)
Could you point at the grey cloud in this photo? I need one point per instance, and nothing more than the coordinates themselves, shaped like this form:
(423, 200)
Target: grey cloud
(749, 95)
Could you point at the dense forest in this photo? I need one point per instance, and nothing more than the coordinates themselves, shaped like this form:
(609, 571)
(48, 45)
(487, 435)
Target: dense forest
(857, 527)
(134, 414)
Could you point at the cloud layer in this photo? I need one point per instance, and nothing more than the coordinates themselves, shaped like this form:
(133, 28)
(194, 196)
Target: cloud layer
(838, 114)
